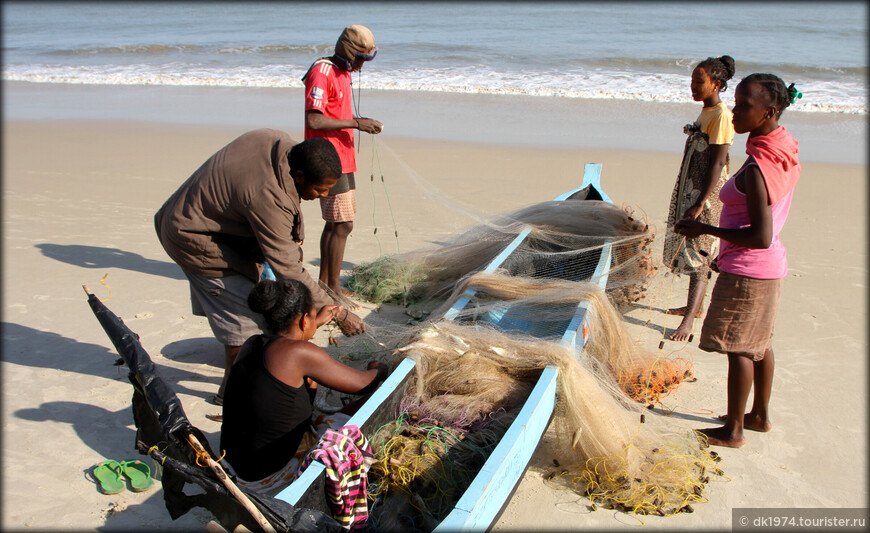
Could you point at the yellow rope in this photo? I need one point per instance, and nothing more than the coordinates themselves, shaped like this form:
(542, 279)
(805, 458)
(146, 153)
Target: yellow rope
(155, 448)
(103, 282)
(199, 454)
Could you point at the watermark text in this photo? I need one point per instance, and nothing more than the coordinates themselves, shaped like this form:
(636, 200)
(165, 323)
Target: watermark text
(745, 519)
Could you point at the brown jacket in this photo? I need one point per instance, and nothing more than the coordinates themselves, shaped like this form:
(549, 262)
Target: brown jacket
(238, 209)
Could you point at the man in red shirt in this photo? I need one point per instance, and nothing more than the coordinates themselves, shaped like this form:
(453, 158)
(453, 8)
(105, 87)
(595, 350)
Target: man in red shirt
(329, 114)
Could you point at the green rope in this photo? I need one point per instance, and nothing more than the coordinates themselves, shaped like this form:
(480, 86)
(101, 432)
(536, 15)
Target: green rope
(377, 154)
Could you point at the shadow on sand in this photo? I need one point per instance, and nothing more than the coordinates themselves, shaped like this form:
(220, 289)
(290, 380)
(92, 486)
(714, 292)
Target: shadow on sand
(43, 349)
(108, 434)
(96, 257)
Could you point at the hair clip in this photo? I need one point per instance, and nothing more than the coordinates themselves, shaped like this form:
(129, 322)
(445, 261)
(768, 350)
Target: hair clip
(794, 93)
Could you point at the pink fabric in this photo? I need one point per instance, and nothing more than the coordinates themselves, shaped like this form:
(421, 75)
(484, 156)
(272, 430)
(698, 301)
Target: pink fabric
(347, 455)
(759, 263)
(777, 157)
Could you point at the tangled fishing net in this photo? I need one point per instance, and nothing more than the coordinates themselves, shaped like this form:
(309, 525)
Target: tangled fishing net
(561, 235)
(471, 379)
(474, 371)
(544, 307)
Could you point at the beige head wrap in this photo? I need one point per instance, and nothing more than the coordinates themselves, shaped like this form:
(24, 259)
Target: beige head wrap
(355, 39)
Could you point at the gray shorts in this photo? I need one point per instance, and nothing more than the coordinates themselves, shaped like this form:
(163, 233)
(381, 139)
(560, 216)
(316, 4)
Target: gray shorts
(224, 301)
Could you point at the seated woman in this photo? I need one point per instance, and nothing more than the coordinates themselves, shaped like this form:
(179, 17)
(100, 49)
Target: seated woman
(271, 387)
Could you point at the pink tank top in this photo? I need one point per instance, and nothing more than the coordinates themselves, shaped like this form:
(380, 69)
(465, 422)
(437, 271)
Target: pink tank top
(759, 263)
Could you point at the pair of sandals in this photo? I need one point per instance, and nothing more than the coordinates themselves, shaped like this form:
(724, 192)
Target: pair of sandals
(109, 476)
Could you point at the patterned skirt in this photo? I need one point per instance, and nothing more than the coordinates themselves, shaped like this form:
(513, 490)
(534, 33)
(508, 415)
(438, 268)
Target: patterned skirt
(339, 208)
(693, 256)
(274, 483)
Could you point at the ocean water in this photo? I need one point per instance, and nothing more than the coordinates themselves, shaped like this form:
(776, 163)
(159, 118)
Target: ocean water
(586, 50)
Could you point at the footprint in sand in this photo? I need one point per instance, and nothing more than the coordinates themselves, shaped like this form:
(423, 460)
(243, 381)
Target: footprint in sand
(143, 315)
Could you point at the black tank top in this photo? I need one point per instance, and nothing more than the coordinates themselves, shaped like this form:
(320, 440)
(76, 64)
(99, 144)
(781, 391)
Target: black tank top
(264, 418)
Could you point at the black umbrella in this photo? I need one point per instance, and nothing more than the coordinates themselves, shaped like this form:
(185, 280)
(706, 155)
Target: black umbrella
(164, 432)
(160, 398)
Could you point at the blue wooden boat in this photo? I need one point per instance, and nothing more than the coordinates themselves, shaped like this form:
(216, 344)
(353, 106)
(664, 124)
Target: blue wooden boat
(494, 484)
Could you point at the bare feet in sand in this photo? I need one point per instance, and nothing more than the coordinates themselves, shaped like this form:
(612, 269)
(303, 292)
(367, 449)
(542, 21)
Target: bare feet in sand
(752, 421)
(722, 437)
(683, 332)
(348, 295)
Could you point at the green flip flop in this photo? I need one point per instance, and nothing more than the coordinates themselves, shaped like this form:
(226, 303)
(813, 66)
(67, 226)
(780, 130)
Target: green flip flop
(138, 473)
(108, 476)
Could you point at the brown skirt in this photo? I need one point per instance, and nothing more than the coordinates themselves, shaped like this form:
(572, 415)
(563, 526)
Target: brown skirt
(741, 316)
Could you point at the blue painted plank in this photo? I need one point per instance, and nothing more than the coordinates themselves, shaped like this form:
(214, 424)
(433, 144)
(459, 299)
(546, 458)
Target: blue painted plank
(460, 303)
(571, 337)
(592, 175)
(294, 492)
(380, 395)
(602, 270)
(565, 196)
(490, 268)
(489, 490)
(509, 249)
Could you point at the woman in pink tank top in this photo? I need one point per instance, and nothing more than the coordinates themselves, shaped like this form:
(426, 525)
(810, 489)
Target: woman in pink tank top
(752, 260)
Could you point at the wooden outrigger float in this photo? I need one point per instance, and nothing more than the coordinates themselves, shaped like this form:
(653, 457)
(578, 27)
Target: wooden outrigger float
(493, 485)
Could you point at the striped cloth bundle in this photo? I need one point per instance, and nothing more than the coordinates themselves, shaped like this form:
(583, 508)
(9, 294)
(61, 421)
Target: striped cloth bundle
(347, 455)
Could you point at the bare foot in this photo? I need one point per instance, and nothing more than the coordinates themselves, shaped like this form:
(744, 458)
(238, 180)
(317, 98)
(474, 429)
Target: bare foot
(722, 437)
(751, 421)
(348, 295)
(683, 332)
(681, 311)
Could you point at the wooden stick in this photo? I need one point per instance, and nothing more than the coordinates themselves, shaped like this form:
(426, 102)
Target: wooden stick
(234, 490)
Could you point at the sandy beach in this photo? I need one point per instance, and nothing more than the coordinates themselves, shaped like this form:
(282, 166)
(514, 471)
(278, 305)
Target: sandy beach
(80, 188)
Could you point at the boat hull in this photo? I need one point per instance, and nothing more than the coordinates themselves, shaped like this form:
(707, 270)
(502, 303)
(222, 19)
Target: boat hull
(492, 487)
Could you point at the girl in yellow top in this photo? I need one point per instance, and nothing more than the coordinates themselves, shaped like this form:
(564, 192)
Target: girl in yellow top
(696, 195)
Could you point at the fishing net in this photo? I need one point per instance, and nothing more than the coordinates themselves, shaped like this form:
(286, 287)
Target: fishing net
(561, 235)
(475, 369)
(472, 376)
(459, 405)
(545, 308)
